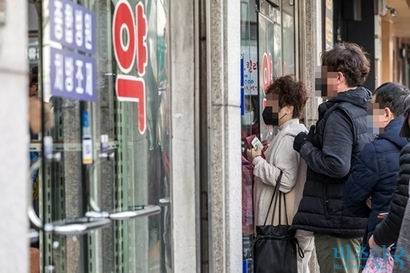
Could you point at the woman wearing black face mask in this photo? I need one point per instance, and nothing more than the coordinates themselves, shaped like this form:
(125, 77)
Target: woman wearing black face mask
(286, 99)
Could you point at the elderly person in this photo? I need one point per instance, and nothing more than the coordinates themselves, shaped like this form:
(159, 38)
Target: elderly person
(286, 99)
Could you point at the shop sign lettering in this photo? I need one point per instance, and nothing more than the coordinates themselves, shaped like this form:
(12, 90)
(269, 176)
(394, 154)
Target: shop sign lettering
(250, 70)
(129, 34)
(72, 25)
(267, 70)
(72, 75)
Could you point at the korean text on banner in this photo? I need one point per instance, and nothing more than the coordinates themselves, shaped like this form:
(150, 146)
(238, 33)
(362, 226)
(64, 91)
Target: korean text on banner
(72, 75)
(72, 25)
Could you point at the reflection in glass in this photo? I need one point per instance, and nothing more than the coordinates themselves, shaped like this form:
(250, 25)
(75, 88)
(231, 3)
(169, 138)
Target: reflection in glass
(288, 40)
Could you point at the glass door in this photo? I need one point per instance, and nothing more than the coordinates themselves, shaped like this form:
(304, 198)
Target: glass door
(109, 154)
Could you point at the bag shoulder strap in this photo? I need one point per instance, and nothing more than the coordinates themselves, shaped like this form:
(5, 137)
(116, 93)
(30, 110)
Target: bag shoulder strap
(277, 193)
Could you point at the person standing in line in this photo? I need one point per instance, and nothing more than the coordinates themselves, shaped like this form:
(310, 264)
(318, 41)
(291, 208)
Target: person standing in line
(395, 227)
(375, 172)
(330, 149)
(286, 99)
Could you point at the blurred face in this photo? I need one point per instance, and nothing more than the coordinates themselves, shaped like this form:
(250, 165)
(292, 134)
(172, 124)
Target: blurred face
(273, 114)
(329, 82)
(380, 117)
(332, 83)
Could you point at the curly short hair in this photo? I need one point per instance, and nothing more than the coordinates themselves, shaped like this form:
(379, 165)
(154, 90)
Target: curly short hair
(349, 59)
(291, 92)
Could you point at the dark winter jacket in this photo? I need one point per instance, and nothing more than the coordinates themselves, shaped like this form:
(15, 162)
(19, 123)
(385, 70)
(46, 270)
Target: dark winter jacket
(387, 232)
(375, 174)
(341, 133)
(402, 258)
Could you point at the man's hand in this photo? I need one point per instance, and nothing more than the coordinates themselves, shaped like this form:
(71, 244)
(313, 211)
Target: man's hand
(372, 243)
(302, 138)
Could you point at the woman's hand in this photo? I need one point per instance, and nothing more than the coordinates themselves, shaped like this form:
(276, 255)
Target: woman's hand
(252, 153)
(265, 144)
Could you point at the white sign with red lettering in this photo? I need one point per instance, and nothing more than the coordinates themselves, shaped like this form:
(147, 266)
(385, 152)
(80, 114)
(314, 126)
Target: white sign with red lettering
(129, 34)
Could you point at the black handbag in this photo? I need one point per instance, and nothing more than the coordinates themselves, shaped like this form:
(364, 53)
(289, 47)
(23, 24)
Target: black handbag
(275, 247)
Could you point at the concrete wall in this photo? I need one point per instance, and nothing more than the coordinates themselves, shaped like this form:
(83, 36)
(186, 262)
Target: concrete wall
(14, 139)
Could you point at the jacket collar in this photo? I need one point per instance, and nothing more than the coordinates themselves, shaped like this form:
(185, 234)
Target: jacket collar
(288, 123)
(395, 123)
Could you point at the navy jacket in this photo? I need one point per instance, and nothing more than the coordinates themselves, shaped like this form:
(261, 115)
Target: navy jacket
(375, 173)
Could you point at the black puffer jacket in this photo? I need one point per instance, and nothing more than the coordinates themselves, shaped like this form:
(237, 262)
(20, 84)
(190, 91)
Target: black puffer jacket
(387, 232)
(341, 133)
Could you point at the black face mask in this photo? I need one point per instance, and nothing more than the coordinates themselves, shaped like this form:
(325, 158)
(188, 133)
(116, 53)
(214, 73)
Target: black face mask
(271, 118)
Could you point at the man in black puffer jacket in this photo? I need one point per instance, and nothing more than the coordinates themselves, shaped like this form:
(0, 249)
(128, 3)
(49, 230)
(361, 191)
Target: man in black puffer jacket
(330, 152)
(376, 169)
(387, 232)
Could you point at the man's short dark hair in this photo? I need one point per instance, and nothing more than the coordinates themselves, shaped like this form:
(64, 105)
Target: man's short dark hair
(392, 96)
(350, 60)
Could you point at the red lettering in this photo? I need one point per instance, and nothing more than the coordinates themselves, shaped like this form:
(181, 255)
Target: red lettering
(266, 70)
(129, 39)
(142, 31)
(130, 88)
(123, 22)
(251, 66)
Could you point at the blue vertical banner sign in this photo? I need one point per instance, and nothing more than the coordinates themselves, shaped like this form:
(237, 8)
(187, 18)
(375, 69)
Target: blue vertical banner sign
(72, 25)
(242, 87)
(72, 73)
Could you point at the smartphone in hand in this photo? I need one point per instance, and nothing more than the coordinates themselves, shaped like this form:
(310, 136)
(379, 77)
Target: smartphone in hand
(253, 142)
(257, 144)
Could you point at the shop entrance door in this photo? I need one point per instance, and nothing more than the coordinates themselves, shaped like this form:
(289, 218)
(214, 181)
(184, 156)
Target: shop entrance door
(107, 156)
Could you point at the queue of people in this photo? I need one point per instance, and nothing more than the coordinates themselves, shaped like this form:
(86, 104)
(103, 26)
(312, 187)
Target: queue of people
(345, 186)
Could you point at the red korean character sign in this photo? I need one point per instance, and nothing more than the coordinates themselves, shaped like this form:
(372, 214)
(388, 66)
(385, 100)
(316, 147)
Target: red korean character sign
(127, 51)
(266, 71)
